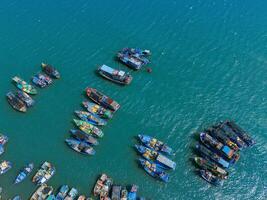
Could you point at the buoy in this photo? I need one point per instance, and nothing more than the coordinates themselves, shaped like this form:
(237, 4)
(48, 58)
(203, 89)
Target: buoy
(149, 70)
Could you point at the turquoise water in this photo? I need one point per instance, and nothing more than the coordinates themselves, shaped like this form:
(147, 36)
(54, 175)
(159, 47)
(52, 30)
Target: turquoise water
(209, 63)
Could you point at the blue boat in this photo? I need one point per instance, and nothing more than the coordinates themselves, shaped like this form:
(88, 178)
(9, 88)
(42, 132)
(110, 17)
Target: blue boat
(51, 197)
(2, 149)
(241, 133)
(80, 147)
(155, 144)
(24, 173)
(132, 195)
(73, 193)
(206, 153)
(3, 139)
(81, 136)
(63, 191)
(209, 177)
(91, 118)
(38, 81)
(27, 99)
(17, 198)
(214, 145)
(154, 171)
(155, 156)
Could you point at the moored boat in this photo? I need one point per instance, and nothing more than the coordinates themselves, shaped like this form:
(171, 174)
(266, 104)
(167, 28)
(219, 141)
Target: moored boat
(80, 147)
(63, 191)
(117, 76)
(2, 149)
(102, 99)
(45, 173)
(5, 166)
(81, 136)
(42, 192)
(124, 193)
(205, 152)
(3, 139)
(103, 186)
(97, 110)
(24, 86)
(73, 193)
(24, 173)
(16, 103)
(88, 128)
(155, 144)
(40, 82)
(132, 195)
(91, 118)
(211, 166)
(50, 70)
(154, 171)
(51, 197)
(27, 99)
(81, 197)
(214, 145)
(116, 192)
(17, 198)
(209, 177)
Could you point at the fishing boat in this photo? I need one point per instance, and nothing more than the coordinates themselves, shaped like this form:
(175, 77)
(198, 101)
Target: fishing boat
(81, 197)
(152, 169)
(155, 156)
(102, 99)
(5, 166)
(91, 118)
(2, 149)
(81, 136)
(241, 133)
(80, 147)
(132, 195)
(45, 173)
(137, 51)
(88, 128)
(17, 198)
(219, 134)
(212, 167)
(39, 81)
(24, 86)
(117, 76)
(50, 70)
(155, 144)
(3, 139)
(231, 135)
(97, 110)
(214, 145)
(124, 193)
(116, 192)
(27, 99)
(73, 193)
(42, 192)
(51, 197)
(63, 191)
(103, 186)
(206, 153)
(24, 173)
(15, 102)
(209, 177)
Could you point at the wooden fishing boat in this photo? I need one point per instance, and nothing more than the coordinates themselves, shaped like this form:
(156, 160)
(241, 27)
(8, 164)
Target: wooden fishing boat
(80, 147)
(102, 99)
(24, 86)
(39, 81)
(3, 139)
(5, 166)
(206, 153)
(103, 186)
(91, 118)
(132, 195)
(44, 174)
(81, 136)
(117, 76)
(24, 173)
(15, 102)
(211, 166)
(209, 177)
(73, 193)
(155, 144)
(155, 156)
(97, 110)
(50, 70)
(116, 192)
(124, 193)
(214, 145)
(152, 169)
(88, 128)
(63, 191)
(27, 99)
(42, 192)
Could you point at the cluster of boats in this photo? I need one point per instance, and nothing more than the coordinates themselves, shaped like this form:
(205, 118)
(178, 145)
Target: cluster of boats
(105, 190)
(219, 149)
(21, 99)
(134, 58)
(154, 161)
(98, 111)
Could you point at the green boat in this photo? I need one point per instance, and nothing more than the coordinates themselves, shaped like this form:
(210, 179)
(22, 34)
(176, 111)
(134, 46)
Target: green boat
(24, 86)
(88, 128)
(211, 166)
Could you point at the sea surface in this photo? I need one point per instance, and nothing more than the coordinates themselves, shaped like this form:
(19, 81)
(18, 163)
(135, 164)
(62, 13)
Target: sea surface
(209, 64)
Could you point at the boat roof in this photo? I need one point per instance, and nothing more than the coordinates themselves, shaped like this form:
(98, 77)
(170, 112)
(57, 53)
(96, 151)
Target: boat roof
(166, 161)
(107, 69)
